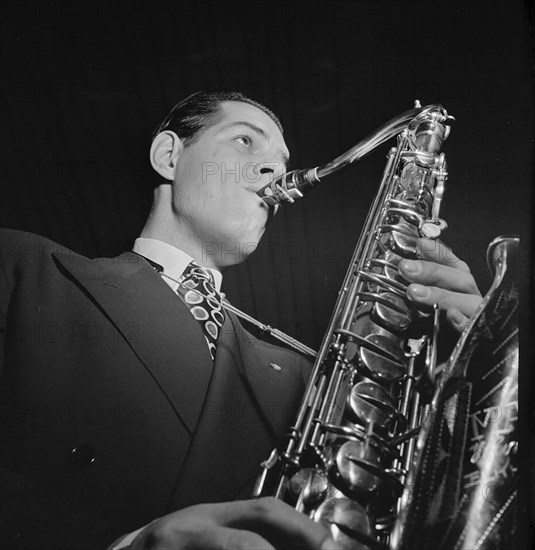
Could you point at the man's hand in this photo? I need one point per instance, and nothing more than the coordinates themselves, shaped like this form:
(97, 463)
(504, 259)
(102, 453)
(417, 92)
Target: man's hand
(265, 523)
(440, 277)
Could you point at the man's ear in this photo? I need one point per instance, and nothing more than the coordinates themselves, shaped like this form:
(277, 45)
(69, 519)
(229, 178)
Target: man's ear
(164, 152)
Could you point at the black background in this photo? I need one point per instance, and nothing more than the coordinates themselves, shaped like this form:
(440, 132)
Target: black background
(84, 84)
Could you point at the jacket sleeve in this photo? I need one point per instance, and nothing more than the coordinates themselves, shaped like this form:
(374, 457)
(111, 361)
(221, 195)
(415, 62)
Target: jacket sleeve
(35, 514)
(6, 284)
(46, 517)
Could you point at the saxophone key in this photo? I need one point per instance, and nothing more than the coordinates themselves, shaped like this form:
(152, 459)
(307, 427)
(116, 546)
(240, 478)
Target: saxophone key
(357, 467)
(392, 313)
(351, 527)
(375, 351)
(432, 229)
(404, 240)
(371, 404)
(381, 358)
(388, 266)
(412, 176)
(308, 487)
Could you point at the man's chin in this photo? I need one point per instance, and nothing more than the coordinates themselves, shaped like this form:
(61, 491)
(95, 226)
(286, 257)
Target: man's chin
(230, 252)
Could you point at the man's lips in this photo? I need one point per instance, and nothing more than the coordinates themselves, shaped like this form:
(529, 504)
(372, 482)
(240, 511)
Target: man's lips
(254, 188)
(254, 191)
(272, 210)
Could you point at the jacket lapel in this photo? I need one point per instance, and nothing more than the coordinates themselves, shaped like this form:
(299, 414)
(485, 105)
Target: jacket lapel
(275, 378)
(235, 409)
(154, 322)
(249, 406)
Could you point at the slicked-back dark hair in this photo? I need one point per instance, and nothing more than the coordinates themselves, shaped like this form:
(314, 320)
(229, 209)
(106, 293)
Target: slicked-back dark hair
(202, 110)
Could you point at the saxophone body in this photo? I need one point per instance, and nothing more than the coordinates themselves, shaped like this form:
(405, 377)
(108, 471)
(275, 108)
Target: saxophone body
(347, 457)
(462, 488)
(390, 449)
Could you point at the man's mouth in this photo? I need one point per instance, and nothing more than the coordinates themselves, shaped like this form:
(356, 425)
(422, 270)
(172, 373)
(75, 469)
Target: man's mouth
(254, 190)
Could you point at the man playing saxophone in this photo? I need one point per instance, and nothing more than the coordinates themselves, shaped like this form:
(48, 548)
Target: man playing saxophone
(147, 447)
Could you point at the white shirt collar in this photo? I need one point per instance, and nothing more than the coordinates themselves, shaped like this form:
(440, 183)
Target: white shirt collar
(173, 260)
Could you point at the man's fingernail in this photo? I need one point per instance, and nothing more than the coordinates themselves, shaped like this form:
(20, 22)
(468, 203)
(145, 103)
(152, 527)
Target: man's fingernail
(411, 267)
(330, 544)
(457, 317)
(420, 291)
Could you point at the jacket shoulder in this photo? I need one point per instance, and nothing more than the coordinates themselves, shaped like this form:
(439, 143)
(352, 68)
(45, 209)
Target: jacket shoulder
(15, 236)
(23, 248)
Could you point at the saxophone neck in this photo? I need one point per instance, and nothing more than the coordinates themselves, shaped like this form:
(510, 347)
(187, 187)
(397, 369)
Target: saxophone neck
(428, 127)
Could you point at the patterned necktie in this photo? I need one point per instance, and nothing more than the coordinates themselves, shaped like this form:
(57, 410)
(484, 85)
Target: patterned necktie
(209, 313)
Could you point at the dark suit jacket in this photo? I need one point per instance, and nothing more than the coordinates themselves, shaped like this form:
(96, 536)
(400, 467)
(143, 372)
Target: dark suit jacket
(111, 411)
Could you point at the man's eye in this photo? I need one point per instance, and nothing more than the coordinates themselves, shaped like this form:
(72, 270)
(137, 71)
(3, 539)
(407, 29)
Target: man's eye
(244, 140)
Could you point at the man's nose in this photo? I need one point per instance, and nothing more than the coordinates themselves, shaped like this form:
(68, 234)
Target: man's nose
(266, 174)
(260, 174)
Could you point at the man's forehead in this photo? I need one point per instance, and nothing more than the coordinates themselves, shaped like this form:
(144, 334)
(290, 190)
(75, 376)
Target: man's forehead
(237, 111)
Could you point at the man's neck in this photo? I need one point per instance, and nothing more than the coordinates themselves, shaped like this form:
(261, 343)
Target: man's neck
(178, 240)
(170, 231)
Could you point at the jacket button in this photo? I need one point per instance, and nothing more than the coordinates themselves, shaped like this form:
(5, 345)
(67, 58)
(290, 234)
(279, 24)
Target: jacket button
(82, 456)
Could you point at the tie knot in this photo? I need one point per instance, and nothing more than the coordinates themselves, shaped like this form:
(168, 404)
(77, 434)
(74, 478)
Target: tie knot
(199, 280)
(197, 273)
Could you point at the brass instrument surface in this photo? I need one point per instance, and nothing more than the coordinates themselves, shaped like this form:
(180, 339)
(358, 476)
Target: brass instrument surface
(345, 459)
(461, 493)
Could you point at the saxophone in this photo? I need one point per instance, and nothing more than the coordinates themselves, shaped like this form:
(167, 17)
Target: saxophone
(354, 445)
(462, 487)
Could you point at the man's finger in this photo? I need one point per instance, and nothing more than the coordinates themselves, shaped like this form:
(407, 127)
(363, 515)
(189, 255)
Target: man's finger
(436, 251)
(279, 523)
(456, 319)
(205, 536)
(433, 274)
(225, 538)
(429, 295)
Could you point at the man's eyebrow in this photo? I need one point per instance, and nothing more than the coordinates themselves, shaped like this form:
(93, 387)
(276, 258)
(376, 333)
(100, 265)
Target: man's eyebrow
(253, 127)
(259, 131)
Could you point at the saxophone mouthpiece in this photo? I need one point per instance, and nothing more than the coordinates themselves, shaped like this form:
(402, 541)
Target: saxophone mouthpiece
(289, 186)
